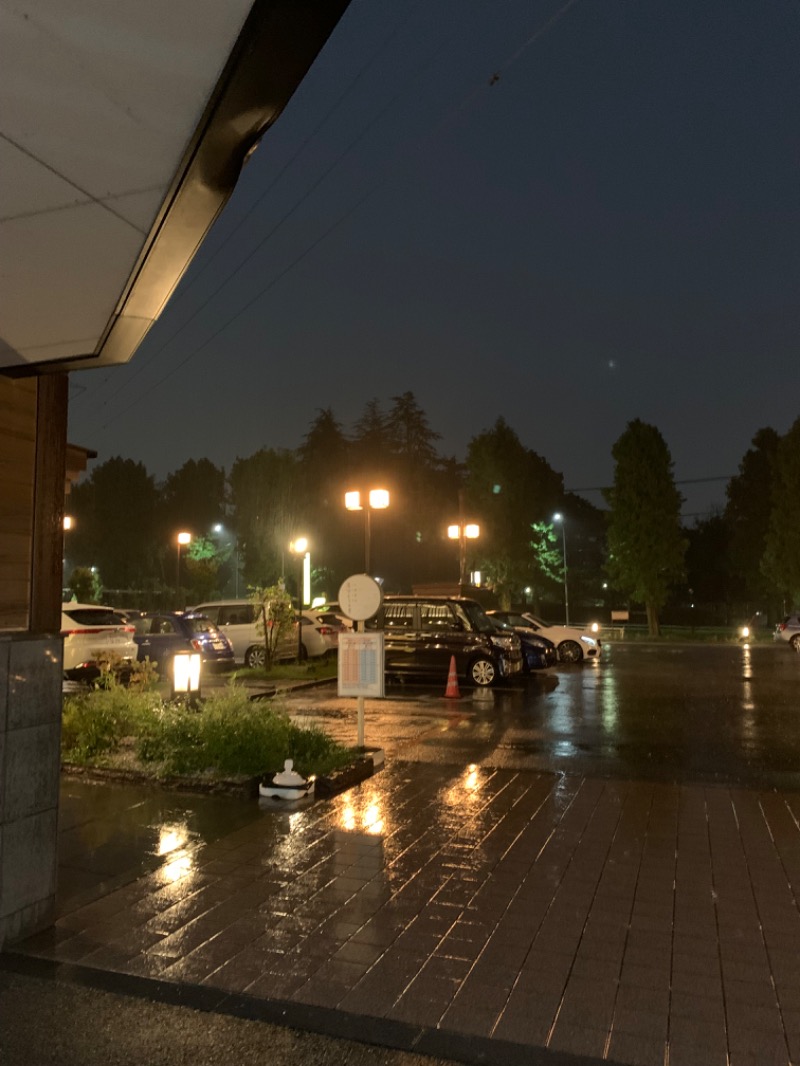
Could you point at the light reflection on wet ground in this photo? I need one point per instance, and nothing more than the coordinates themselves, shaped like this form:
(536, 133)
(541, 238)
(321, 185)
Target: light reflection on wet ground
(680, 713)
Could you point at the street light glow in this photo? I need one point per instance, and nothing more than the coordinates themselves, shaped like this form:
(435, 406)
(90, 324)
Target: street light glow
(68, 521)
(472, 531)
(352, 501)
(299, 545)
(184, 538)
(378, 499)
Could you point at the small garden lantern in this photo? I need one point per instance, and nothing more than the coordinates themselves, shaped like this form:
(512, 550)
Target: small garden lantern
(186, 674)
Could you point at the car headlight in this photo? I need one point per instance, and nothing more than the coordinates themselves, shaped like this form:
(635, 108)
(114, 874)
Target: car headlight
(595, 627)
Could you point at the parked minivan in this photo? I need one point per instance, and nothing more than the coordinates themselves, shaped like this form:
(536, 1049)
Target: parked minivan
(423, 633)
(237, 620)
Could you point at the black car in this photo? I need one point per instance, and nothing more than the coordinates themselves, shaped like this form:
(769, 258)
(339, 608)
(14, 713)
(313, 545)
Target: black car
(160, 634)
(423, 633)
(538, 653)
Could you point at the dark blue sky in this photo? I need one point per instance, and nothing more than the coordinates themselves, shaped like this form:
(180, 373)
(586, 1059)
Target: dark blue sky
(609, 231)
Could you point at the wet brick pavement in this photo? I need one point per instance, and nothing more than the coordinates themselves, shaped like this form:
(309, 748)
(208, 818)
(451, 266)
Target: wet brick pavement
(481, 915)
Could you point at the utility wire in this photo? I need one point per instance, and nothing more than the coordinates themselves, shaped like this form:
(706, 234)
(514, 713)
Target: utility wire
(346, 215)
(185, 288)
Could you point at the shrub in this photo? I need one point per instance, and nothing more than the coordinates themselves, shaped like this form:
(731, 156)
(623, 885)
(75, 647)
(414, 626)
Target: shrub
(228, 734)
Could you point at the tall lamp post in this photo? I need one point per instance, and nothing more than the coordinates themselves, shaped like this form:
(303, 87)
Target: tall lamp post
(299, 547)
(462, 533)
(374, 500)
(182, 538)
(558, 517)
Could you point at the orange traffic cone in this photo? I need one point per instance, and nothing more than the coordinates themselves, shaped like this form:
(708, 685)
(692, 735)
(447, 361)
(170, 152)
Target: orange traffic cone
(451, 692)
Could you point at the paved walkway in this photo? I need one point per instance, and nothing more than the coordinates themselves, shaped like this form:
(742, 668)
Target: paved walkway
(482, 916)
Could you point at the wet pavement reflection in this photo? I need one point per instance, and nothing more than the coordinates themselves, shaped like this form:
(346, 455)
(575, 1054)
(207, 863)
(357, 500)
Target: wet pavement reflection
(701, 713)
(601, 862)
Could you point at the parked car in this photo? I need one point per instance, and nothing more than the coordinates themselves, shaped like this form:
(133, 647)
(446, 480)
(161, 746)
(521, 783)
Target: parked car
(237, 620)
(573, 643)
(423, 633)
(538, 653)
(332, 612)
(789, 630)
(89, 632)
(159, 635)
(320, 633)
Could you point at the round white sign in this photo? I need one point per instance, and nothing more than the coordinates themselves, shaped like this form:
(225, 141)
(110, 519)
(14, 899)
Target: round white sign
(360, 596)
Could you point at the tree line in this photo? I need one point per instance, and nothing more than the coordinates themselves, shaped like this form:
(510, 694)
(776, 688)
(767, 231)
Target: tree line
(634, 550)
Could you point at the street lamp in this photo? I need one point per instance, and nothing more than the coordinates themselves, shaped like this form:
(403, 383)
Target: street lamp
(182, 538)
(557, 517)
(299, 547)
(462, 533)
(376, 500)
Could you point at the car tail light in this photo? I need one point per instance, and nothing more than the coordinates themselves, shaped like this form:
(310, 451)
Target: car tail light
(781, 626)
(326, 631)
(197, 644)
(82, 632)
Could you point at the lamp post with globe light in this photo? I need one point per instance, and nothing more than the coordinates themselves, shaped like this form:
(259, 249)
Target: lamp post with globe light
(558, 517)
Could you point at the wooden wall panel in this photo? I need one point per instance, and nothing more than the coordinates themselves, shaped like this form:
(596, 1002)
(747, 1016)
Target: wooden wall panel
(18, 415)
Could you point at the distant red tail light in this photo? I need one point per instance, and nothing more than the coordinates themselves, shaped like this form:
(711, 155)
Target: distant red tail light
(781, 626)
(326, 631)
(197, 644)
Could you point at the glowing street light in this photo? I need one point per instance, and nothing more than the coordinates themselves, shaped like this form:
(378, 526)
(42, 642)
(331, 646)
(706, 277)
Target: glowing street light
(299, 547)
(558, 517)
(462, 532)
(375, 500)
(181, 539)
(69, 522)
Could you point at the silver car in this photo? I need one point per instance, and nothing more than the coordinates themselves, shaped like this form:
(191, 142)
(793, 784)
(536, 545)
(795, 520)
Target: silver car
(789, 631)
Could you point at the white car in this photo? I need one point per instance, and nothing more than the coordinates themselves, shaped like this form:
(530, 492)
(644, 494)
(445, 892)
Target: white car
(236, 619)
(320, 633)
(89, 632)
(574, 643)
(789, 630)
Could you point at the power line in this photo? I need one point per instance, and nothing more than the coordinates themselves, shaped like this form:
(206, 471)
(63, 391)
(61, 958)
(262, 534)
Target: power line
(683, 481)
(342, 218)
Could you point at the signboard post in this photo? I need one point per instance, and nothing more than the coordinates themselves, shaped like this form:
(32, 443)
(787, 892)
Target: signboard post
(361, 671)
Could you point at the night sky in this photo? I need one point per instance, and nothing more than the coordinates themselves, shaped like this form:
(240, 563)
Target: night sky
(568, 214)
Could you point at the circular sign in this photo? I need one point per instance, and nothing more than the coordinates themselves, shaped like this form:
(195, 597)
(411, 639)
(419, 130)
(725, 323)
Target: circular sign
(360, 596)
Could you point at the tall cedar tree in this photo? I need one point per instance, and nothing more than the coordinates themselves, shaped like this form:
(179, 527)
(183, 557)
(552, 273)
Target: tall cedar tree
(646, 548)
(747, 515)
(782, 554)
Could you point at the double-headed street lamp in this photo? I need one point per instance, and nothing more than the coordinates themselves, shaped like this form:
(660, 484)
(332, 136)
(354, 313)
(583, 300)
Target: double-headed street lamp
(558, 517)
(299, 547)
(462, 532)
(374, 500)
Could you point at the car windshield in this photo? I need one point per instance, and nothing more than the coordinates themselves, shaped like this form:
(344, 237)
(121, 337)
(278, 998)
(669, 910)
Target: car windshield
(478, 617)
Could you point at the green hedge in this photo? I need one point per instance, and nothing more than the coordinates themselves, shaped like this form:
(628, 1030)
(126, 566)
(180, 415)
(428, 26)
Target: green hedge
(225, 735)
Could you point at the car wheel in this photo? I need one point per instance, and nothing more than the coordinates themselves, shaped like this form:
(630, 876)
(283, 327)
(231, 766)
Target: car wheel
(795, 642)
(255, 657)
(482, 672)
(570, 652)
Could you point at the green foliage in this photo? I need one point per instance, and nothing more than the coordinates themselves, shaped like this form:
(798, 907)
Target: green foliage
(228, 735)
(747, 514)
(85, 585)
(645, 543)
(511, 489)
(97, 721)
(782, 549)
(274, 617)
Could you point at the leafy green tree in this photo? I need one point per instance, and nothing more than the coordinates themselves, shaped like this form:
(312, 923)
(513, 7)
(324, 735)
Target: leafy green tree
(203, 561)
(274, 617)
(193, 497)
(510, 489)
(115, 528)
(747, 515)
(266, 509)
(782, 552)
(646, 547)
(85, 585)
